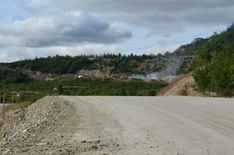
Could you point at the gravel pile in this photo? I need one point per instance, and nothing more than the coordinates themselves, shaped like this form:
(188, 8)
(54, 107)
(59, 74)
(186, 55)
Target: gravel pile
(37, 129)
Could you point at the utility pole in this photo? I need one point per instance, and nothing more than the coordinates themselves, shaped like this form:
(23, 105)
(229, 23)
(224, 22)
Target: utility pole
(3, 106)
(12, 96)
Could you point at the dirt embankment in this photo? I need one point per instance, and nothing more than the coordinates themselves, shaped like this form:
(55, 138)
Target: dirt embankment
(184, 85)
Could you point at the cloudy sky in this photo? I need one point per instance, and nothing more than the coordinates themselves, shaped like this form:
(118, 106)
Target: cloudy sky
(38, 28)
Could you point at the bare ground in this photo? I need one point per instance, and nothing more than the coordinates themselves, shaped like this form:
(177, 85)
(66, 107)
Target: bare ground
(156, 125)
(132, 125)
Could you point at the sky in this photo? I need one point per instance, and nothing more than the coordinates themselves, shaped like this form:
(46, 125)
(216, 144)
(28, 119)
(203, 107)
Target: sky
(41, 28)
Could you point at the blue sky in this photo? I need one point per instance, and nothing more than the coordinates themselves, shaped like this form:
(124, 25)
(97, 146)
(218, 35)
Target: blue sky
(39, 28)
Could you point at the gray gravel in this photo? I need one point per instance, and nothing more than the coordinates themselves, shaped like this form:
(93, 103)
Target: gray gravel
(123, 125)
(158, 125)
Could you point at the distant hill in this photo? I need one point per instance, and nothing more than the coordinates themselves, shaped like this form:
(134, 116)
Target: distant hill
(211, 59)
(107, 66)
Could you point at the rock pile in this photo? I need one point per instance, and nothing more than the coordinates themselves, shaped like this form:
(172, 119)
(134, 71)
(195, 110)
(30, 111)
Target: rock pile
(31, 133)
(49, 127)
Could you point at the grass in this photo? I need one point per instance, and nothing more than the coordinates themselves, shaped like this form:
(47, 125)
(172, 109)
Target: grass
(24, 104)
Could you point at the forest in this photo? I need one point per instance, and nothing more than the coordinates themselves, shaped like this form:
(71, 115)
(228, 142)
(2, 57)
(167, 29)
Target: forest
(68, 65)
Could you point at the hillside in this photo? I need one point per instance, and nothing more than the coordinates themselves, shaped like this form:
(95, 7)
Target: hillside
(12, 76)
(213, 62)
(84, 75)
(211, 59)
(107, 66)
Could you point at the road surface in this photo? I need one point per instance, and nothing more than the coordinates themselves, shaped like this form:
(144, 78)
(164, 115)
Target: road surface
(156, 125)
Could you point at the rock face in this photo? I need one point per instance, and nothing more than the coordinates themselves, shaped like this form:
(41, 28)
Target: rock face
(157, 68)
(37, 130)
(102, 73)
(38, 75)
(171, 68)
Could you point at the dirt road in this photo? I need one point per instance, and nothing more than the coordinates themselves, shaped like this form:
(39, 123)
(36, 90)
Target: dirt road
(155, 125)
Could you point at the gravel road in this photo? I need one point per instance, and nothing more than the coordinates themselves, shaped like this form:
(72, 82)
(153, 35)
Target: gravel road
(154, 125)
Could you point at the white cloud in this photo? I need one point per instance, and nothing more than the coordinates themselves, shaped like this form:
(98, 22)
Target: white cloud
(160, 15)
(53, 30)
(49, 27)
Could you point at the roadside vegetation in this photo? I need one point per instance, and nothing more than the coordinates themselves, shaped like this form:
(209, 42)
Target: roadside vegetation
(32, 91)
(216, 64)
